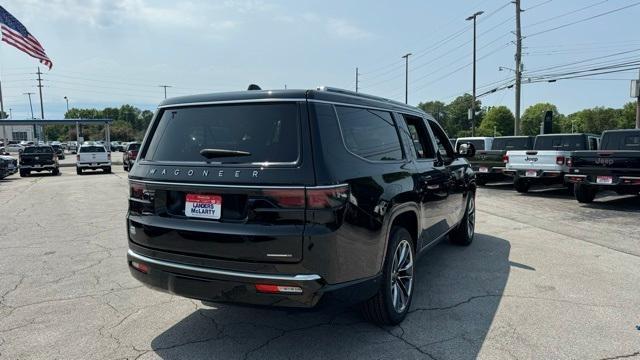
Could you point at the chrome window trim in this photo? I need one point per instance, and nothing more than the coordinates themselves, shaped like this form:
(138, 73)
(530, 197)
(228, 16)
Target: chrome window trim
(305, 277)
(152, 182)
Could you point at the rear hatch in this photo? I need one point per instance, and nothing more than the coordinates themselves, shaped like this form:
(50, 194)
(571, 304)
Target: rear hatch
(487, 159)
(546, 160)
(37, 155)
(224, 181)
(617, 162)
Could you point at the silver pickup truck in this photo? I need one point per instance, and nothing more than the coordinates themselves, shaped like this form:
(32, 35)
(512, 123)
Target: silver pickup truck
(546, 164)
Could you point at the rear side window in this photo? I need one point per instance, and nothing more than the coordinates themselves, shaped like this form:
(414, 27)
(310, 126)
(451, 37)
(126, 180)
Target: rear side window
(92, 149)
(370, 134)
(420, 137)
(632, 142)
(267, 132)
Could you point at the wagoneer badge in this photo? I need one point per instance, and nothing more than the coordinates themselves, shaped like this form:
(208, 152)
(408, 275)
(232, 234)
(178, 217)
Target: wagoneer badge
(206, 172)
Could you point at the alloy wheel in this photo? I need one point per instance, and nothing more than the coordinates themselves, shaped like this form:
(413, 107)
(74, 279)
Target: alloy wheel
(402, 276)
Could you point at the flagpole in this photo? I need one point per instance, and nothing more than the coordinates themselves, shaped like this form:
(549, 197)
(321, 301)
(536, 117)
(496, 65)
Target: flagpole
(4, 127)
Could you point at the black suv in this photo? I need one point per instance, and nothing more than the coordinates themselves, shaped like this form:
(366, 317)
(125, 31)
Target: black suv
(286, 197)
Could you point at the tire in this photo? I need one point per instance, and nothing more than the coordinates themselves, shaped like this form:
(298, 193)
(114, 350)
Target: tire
(521, 186)
(125, 167)
(107, 170)
(55, 172)
(381, 308)
(481, 181)
(78, 171)
(584, 193)
(463, 234)
(23, 173)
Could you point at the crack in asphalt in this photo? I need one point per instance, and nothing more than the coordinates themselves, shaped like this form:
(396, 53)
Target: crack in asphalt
(635, 354)
(409, 343)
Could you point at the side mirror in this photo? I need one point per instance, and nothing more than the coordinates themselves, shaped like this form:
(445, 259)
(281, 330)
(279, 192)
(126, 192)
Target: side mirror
(466, 150)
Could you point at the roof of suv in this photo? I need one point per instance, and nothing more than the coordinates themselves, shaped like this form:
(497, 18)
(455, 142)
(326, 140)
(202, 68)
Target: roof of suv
(322, 94)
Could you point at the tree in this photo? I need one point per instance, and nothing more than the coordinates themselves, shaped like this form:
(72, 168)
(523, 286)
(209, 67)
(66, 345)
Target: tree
(498, 118)
(437, 109)
(534, 115)
(458, 115)
(596, 120)
(627, 116)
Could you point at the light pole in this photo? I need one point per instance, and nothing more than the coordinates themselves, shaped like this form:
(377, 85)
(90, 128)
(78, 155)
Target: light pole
(473, 104)
(406, 77)
(67, 100)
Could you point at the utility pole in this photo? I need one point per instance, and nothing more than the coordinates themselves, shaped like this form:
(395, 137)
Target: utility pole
(516, 127)
(165, 89)
(31, 107)
(30, 103)
(472, 110)
(406, 77)
(41, 104)
(638, 102)
(356, 79)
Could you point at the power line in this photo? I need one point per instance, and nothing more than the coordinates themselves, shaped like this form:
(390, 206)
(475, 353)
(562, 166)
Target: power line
(583, 20)
(572, 12)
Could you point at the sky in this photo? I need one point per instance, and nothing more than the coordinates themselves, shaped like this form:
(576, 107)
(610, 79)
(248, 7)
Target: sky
(112, 52)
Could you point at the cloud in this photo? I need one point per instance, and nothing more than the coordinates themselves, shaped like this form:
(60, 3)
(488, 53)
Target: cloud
(343, 29)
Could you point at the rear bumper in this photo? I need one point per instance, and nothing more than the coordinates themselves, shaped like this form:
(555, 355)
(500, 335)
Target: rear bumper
(98, 165)
(616, 181)
(539, 175)
(38, 168)
(221, 285)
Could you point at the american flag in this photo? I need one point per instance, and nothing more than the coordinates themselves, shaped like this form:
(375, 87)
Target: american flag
(15, 34)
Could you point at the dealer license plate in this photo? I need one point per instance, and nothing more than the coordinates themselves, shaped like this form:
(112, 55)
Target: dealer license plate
(531, 173)
(203, 206)
(604, 180)
(483, 170)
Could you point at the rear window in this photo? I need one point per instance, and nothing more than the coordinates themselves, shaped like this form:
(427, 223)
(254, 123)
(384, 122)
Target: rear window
(133, 147)
(511, 144)
(477, 144)
(268, 132)
(561, 143)
(621, 141)
(370, 134)
(38, 150)
(92, 149)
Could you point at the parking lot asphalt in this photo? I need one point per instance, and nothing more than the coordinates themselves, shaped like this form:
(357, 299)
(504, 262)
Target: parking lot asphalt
(545, 278)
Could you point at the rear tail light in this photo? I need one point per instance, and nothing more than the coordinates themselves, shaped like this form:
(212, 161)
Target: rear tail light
(327, 198)
(143, 268)
(569, 162)
(560, 160)
(631, 181)
(109, 156)
(78, 157)
(576, 178)
(278, 289)
(313, 198)
(505, 159)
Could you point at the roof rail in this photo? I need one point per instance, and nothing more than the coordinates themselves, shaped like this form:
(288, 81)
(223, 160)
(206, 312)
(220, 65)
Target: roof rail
(358, 94)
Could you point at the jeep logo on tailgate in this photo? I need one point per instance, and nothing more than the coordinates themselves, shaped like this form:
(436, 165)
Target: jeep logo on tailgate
(532, 159)
(605, 162)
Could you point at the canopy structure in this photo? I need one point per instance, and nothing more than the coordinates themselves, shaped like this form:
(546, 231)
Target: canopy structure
(77, 122)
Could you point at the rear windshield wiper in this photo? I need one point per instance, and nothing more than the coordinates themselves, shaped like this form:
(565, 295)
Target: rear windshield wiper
(216, 153)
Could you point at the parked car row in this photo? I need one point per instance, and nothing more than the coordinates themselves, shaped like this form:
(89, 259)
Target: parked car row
(583, 163)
